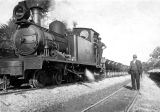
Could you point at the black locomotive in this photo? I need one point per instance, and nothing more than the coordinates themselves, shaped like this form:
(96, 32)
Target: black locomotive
(49, 55)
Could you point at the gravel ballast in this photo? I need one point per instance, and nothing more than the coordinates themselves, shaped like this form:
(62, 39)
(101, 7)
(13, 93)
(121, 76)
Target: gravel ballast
(45, 98)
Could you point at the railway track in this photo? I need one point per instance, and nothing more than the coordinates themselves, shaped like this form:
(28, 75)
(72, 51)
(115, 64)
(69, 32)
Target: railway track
(79, 106)
(132, 103)
(24, 89)
(16, 91)
(13, 90)
(100, 102)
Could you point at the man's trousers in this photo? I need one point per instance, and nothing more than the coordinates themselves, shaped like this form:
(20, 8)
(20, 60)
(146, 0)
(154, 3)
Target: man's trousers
(135, 78)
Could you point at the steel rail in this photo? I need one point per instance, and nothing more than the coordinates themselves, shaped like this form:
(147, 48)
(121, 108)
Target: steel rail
(7, 92)
(16, 91)
(103, 99)
(19, 91)
(132, 103)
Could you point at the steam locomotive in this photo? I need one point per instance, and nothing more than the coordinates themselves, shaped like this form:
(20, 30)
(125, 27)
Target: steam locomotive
(51, 55)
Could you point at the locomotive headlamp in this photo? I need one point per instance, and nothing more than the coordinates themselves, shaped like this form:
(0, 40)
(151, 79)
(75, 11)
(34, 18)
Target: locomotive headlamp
(21, 11)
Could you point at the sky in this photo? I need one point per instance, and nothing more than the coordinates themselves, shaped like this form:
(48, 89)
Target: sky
(127, 27)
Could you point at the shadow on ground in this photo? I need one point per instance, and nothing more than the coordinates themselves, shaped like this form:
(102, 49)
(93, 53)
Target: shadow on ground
(127, 87)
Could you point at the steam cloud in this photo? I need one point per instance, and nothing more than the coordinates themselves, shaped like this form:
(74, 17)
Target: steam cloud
(66, 11)
(89, 75)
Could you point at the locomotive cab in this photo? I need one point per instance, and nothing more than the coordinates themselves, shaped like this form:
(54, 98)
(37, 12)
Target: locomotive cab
(87, 45)
(86, 33)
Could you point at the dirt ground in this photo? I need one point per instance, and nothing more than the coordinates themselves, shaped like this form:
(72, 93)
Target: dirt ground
(31, 101)
(57, 97)
(149, 97)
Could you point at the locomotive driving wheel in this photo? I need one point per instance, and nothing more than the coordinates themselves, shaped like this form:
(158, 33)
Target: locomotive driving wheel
(57, 78)
(39, 79)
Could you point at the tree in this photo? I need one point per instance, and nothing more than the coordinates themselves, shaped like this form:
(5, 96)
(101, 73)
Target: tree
(156, 53)
(6, 32)
(154, 61)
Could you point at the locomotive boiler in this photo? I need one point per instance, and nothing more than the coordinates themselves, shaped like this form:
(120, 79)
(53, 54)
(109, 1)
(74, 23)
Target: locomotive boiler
(48, 55)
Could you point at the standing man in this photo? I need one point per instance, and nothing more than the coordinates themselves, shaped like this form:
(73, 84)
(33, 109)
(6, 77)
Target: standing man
(135, 70)
(101, 47)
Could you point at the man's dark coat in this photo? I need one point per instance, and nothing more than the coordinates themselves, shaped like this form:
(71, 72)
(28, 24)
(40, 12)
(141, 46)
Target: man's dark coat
(139, 67)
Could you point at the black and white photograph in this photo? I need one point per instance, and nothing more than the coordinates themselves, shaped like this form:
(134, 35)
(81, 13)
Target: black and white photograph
(79, 56)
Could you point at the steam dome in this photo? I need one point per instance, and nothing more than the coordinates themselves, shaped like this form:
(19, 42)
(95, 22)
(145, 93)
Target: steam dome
(58, 27)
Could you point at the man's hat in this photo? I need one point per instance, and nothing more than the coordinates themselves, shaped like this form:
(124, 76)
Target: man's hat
(134, 56)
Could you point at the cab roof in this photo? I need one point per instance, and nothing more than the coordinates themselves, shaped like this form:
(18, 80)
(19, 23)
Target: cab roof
(87, 29)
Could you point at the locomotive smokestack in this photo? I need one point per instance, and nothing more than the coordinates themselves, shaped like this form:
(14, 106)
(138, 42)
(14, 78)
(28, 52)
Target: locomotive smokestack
(38, 7)
(37, 15)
